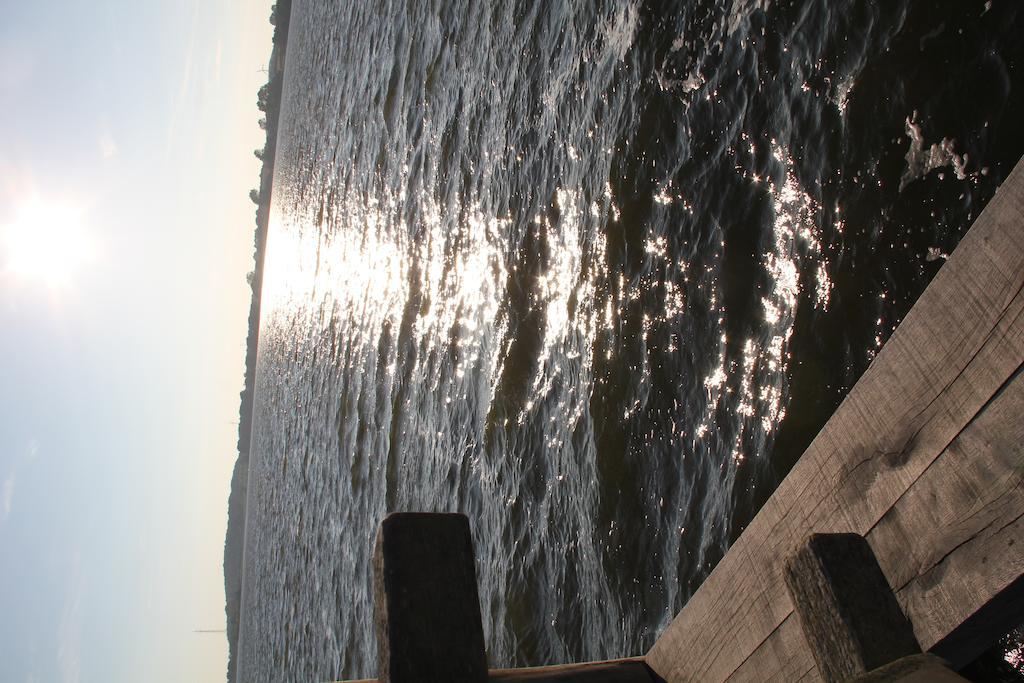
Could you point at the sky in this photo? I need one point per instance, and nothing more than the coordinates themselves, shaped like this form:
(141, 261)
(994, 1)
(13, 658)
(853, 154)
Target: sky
(125, 236)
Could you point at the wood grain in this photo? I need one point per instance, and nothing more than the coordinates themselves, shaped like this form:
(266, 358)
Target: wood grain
(783, 657)
(957, 536)
(984, 465)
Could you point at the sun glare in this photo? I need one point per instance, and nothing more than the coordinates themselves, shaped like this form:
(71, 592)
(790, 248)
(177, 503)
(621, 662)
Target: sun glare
(45, 243)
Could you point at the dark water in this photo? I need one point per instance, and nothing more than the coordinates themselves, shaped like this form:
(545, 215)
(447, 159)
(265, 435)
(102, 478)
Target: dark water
(593, 274)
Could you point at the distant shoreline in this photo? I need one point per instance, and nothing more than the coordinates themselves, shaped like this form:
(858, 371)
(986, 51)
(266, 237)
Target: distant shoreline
(269, 101)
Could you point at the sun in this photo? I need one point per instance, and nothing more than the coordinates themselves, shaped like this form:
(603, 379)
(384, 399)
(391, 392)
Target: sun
(45, 243)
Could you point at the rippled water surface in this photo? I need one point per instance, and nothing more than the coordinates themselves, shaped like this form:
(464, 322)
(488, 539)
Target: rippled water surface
(593, 274)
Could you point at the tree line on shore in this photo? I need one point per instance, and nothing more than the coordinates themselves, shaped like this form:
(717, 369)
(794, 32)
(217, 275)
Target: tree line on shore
(268, 101)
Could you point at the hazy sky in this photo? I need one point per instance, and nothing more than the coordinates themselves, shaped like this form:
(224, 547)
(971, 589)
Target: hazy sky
(125, 236)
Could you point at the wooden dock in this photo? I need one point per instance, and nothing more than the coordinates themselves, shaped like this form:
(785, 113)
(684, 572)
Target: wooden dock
(924, 459)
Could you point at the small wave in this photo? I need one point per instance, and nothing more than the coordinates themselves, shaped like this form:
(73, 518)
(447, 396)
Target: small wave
(920, 161)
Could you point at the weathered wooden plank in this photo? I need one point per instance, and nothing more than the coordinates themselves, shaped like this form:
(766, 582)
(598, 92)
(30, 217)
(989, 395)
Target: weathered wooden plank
(958, 345)
(848, 613)
(982, 465)
(782, 657)
(971, 490)
(955, 538)
(615, 671)
(960, 494)
(630, 670)
(950, 593)
(429, 628)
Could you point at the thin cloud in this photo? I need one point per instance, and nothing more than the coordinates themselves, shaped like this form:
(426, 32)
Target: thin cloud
(218, 58)
(7, 494)
(11, 480)
(18, 61)
(69, 632)
(178, 105)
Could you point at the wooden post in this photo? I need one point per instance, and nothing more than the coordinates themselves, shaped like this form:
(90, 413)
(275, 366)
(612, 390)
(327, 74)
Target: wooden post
(850, 617)
(427, 608)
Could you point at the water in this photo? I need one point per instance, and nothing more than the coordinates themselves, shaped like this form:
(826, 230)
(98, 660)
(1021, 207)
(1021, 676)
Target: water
(593, 274)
